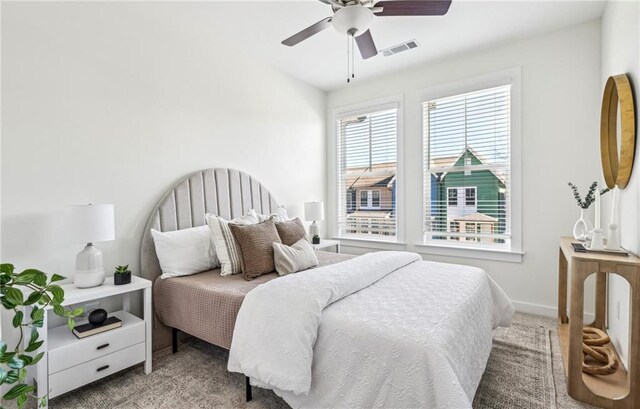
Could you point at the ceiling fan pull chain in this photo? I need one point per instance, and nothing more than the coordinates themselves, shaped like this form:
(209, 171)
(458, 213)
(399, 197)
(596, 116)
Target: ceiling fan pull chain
(353, 61)
(348, 60)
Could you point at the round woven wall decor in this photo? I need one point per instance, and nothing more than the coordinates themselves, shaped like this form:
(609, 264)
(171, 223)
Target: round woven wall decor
(617, 167)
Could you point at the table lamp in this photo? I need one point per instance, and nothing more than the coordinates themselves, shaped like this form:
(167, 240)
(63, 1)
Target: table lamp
(88, 224)
(314, 211)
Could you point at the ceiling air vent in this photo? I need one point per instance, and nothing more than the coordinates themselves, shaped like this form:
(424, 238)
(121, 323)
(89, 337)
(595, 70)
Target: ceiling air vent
(407, 45)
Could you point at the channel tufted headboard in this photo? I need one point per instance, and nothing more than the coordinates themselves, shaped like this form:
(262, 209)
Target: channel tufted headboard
(226, 192)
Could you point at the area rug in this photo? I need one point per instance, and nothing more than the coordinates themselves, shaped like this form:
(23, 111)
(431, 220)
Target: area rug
(518, 375)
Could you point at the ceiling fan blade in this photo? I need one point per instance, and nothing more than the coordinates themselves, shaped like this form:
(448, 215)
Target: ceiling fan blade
(308, 32)
(366, 45)
(413, 7)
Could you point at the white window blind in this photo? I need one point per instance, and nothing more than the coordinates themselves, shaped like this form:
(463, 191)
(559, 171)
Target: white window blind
(367, 166)
(467, 161)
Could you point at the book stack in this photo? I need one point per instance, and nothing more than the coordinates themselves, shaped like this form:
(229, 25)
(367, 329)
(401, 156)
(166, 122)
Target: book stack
(86, 330)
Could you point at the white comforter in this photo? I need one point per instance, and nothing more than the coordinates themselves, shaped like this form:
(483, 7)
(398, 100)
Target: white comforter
(382, 330)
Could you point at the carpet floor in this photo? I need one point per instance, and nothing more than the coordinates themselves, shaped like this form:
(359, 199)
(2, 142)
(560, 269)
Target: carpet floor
(524, 371)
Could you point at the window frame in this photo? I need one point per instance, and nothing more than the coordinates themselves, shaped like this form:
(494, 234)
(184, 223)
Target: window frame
(512, 77)
(391, 102)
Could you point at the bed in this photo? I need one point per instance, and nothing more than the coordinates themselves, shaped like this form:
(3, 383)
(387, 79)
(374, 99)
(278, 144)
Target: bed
(386, 329)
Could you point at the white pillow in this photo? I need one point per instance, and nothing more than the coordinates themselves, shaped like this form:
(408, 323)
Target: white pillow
(184, 252)
(297, 257)
(280, 215)
(225, 244)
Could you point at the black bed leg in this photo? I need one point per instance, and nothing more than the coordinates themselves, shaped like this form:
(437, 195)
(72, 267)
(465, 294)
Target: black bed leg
(247, 385)
(174, 340)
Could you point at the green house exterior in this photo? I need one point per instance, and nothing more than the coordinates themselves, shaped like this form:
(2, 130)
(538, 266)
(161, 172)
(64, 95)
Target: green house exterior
(490, 196)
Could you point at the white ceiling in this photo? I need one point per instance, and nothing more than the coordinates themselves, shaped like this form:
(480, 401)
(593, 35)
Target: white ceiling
(257, 28)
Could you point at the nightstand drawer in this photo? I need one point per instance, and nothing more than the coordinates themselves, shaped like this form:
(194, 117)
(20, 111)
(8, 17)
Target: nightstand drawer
(79, 375)
(66, 351)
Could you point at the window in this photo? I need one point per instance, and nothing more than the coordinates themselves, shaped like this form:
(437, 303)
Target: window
(467, 157)
(452, 194)
(470, 196)
(375, 198)
(367, 162)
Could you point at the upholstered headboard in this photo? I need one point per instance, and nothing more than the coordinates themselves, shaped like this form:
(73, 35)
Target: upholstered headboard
(226, 192)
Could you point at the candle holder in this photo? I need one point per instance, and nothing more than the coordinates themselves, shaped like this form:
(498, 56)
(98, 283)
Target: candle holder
(597, 242)
(613, 242)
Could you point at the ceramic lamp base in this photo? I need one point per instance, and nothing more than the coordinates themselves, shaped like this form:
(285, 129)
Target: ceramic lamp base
(314, 230)
(89, 268)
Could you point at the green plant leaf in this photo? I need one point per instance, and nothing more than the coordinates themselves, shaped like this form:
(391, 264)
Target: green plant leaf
(34, 346)
(12, 377)
(18, 390)
(8, 305)
(17, 319)
(6, 357)
(43, 402)
(36, 358)
(57, 277)
(14, 296)
(3, 347)
(33, 298)
(15, 363)
(37, 313)
(26, 359)
(7, 268)
(26, 277)
(57, 292)
(38, 323)
(3, 375)
(4, 278)
(41, 279)
(59, 310)
(22, 400)
(44, 299)
(77, 312)
(71, 324)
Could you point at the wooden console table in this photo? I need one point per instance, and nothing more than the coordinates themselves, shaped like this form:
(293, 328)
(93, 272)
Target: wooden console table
(620, 390)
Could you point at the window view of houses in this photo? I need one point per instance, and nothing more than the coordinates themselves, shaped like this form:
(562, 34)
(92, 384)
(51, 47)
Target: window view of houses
(466, 178)
(467, 162)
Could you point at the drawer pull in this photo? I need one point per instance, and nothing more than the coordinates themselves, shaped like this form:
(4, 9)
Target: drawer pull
(102, 346)
(102, 368)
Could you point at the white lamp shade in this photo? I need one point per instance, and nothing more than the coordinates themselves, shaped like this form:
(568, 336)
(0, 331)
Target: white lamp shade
(313, 211)
(90, 223)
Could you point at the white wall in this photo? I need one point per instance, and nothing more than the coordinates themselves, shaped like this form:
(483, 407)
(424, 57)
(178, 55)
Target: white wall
(560, 143)
(113, 102)
(621, 54)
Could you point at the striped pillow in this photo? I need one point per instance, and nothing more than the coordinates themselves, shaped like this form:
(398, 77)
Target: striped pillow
(225, 244)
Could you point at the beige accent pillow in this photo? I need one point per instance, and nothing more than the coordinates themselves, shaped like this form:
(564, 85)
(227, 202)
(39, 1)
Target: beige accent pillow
(255, 242)
(224, 243)
(291, 231)
(291, 259)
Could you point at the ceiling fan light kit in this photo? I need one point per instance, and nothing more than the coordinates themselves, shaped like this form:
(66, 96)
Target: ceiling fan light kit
(354, 17)
(350, 18)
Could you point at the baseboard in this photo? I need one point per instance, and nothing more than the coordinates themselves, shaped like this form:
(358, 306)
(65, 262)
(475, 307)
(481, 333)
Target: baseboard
(545, 310)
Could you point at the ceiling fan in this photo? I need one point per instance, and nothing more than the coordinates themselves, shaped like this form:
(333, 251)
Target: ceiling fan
(354, 17)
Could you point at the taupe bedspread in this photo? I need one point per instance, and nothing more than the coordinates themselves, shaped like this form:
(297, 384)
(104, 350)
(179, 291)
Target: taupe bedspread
(206, 304)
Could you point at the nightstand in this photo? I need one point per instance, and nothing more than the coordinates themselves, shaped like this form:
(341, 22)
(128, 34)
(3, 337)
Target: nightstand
(70, 362)
(324, 243)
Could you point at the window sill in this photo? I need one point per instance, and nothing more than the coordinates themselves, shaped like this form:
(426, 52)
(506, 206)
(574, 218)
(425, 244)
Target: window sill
(375, 244)
(511, 256)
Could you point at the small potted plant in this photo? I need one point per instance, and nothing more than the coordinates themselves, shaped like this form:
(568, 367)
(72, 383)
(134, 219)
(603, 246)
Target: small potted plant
(315, 239)
(122, 275)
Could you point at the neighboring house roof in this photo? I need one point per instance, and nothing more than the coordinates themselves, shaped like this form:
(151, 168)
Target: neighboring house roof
(449, 161)
(378, 175)
(476, 217)
(371, 214)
